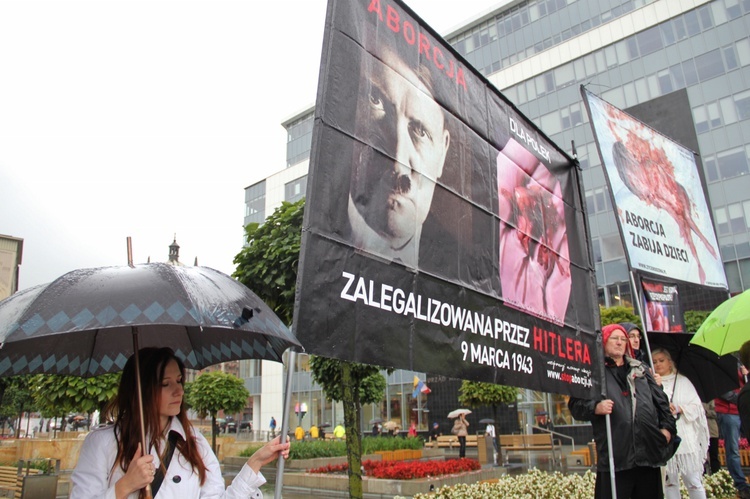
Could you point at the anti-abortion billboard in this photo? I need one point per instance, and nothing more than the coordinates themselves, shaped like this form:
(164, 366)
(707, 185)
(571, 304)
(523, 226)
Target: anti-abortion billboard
(443, 231)
(659, 199)
(661, 306)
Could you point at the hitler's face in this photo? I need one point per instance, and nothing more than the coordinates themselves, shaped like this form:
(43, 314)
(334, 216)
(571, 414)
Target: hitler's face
(393, 181)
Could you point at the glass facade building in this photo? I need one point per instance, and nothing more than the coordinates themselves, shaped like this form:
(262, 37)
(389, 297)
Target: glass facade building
(637, 55)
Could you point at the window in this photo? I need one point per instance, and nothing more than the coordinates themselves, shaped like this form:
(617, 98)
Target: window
(742, 101)
(711, 171)
(736, 218)
(722, 224)
(743, 51)
(728, 110)
(612, 247)
(255, 203)
(295, 190)
(701, 121)
(732, 163)
(709, 65)
(649, 41)
(730, 57)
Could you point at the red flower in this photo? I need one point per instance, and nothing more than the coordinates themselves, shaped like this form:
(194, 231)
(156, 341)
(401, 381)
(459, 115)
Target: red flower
(406, 470)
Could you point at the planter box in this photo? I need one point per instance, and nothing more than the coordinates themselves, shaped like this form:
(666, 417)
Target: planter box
(388, 487)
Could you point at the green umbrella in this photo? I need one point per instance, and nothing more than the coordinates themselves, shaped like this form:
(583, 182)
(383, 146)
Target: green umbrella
(728, 326)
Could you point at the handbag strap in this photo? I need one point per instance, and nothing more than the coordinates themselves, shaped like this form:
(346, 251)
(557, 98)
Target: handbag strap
(159, 476)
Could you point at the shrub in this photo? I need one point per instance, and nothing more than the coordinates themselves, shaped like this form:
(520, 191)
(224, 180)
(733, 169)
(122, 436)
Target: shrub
(309, 449)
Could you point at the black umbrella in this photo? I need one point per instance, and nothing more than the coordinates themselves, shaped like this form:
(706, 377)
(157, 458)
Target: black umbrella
(83, 323)
(487, 421)
(710, 373)
(376, 420)
(89, 321)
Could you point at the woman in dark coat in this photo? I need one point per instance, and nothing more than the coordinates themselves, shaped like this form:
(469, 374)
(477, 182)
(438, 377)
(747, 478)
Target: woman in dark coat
(640, 439)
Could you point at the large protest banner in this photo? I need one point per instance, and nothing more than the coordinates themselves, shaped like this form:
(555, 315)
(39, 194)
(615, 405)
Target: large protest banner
(659, 199)
(443, 232)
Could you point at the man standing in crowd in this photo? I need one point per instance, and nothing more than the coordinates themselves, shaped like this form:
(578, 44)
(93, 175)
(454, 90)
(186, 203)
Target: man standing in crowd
(728, 416)
(642, 424)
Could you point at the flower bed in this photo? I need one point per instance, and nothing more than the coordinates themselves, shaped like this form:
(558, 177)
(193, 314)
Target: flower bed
(543, 485)
(401, 470)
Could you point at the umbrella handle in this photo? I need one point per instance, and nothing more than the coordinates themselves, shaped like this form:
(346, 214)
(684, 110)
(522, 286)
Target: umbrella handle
(147, 488)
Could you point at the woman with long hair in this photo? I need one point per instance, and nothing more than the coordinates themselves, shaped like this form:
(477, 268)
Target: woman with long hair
(112, 464)
(692, 427)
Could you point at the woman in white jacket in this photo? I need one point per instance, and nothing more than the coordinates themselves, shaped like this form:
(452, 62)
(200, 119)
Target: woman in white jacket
(692, 427)
(112, 465)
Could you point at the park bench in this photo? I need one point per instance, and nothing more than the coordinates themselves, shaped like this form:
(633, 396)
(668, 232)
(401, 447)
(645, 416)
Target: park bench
(530, 443)
(451, 441)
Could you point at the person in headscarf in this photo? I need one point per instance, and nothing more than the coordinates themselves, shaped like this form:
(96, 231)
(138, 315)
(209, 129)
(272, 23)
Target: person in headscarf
(642, 425)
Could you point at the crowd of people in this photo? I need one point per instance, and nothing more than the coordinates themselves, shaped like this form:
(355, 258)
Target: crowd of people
(660, 430)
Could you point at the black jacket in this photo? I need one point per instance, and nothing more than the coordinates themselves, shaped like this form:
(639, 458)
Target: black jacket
(637, 441)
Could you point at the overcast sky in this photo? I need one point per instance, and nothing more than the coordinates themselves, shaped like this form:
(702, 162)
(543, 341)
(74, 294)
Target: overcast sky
(148, 119)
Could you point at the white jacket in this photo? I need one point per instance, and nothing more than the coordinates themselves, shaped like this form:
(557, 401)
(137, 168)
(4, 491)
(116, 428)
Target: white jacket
(93, 476)
(692, 425)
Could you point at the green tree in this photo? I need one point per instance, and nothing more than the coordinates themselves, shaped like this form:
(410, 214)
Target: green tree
(614, 315)
(56, 395)
(351, 384)
(694, 319)
(268, 263)
(476, 394)
(17, 399)
(215, 391)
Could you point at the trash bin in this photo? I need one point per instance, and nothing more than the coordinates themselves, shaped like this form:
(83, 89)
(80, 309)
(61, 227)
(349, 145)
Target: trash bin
(39, 486)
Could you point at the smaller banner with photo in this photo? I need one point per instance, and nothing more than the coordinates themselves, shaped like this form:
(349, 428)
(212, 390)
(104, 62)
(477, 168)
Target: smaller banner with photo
(661, 304)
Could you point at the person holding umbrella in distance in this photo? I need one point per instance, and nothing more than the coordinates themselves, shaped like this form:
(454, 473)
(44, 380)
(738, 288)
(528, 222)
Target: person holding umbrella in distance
(113, 465)
(642, 426)
(460, 429)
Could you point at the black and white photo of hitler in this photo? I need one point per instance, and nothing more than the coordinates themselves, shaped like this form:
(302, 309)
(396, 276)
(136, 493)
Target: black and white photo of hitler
(404, 141)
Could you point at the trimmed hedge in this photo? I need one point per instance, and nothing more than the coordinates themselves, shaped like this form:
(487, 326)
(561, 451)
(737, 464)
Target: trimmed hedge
(310, 449)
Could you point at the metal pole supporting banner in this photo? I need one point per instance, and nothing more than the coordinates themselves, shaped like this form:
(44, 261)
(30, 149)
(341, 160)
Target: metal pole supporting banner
(292, 361)
(611, 454)
(639, 298)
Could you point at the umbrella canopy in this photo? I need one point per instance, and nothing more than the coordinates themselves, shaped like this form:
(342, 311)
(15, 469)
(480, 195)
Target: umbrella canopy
(376, 420)
(82, 323)
(487, 421)
(457, 412)
(728, 326)
(390, 425)
(711, 374)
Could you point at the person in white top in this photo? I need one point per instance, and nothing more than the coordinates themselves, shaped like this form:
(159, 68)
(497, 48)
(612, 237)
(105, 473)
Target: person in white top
(692, 427)
(490, 431)
(112, 465)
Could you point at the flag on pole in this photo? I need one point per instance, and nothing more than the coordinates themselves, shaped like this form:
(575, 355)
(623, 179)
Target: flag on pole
(419, 387)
